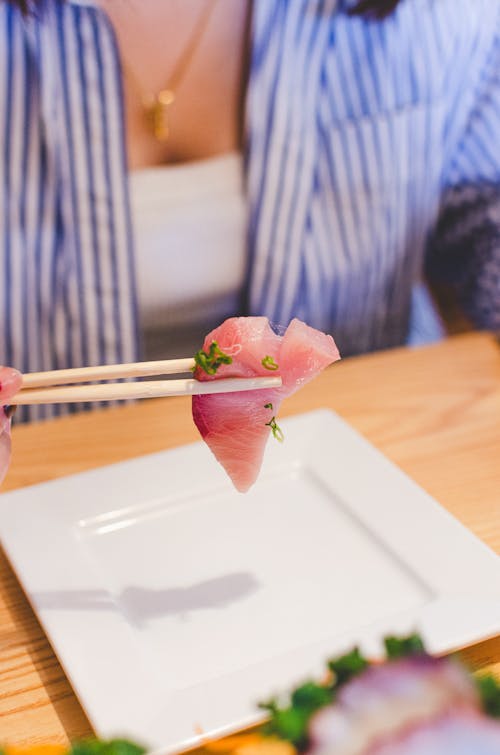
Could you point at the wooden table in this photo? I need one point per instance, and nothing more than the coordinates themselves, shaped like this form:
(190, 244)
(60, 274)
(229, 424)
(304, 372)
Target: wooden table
(434, 411)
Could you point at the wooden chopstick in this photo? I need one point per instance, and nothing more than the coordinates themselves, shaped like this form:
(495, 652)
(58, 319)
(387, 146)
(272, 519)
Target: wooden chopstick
(106, 372)
(147, 389)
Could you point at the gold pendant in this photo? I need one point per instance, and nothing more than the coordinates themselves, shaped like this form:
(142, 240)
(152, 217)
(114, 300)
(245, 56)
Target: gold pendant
(157, 111)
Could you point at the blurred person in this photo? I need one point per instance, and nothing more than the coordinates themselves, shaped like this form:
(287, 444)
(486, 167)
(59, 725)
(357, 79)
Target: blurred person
(168, 163)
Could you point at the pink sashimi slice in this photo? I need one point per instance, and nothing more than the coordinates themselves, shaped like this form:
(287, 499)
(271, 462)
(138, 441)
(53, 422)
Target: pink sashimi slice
(458, 732)
(236, 425)
(386, 702)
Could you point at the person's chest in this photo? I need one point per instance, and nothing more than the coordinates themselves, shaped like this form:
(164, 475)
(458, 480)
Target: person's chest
(196, 52)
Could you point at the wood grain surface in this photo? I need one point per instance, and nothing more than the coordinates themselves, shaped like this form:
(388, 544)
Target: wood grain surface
(434, 411)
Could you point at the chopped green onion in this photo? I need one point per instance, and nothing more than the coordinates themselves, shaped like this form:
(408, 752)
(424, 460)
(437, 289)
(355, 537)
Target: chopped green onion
(211, 361)
(276, 430)
(269, 363)
(268, 406)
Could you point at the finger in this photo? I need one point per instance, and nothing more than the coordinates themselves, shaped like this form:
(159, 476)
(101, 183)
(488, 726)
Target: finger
(10, 383)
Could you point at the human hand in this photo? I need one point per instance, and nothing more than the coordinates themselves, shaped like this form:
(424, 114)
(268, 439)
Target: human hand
(10, 383)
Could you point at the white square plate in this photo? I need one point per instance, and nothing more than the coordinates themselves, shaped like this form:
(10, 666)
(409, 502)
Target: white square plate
(175, 603)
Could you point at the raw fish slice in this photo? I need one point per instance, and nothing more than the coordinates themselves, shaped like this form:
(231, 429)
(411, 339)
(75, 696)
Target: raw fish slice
(385, 703)
(236, 425)
(461, 732)
(247, 340)
(304, 353)
(10, 383)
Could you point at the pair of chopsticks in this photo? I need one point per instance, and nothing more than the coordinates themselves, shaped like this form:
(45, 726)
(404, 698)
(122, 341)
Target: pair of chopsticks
(54, 387)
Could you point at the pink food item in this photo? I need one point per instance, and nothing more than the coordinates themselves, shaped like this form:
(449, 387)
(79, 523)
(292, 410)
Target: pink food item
(414, 706)
(10, 383)
(236, 426)
(460, 732)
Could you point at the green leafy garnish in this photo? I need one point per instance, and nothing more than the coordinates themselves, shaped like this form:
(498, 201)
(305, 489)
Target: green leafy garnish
(399, 647)
(287, 723)
(102, 747)
(276, 429)
(348, 665)
(211, 361)
(311, 696)
(268, 406)
(269, 363)
(291, 722)
(489, 692)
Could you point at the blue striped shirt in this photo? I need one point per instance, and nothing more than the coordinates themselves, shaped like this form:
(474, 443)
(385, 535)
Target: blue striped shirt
(367, 143)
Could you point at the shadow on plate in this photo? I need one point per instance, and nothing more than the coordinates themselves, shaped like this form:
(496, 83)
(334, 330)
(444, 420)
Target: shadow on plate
(142, 605)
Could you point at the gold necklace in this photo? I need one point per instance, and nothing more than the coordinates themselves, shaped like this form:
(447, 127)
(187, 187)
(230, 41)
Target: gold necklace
(156, 104)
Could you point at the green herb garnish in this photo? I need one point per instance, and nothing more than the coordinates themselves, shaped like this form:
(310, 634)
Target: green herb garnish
(311, 696)
(110, 747)
(211, 361)
(348, 665)
(269, 363)
(276, 429)
(288, 723)
(291, 722)
(489, 692)
(268, 406)
(399, 647)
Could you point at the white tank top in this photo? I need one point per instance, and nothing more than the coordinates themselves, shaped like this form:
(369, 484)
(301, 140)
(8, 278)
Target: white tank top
(189, 225)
